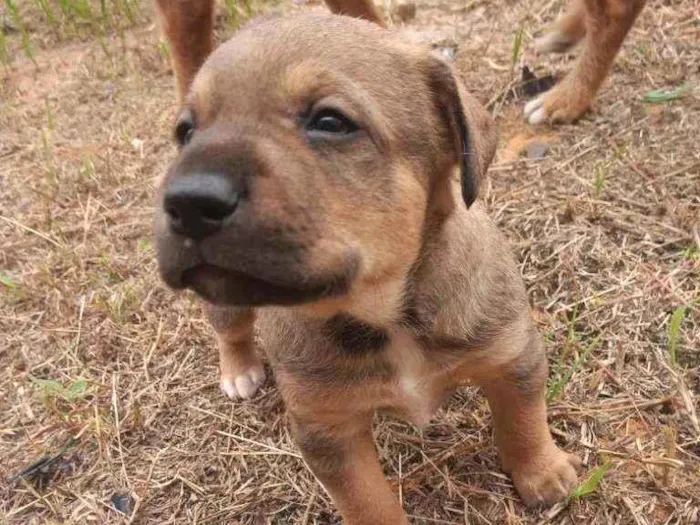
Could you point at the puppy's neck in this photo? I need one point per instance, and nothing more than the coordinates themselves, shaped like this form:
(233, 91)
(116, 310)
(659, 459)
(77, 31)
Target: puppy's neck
(379, 303)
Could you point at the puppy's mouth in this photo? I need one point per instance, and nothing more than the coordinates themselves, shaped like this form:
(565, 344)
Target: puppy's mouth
(231, 287)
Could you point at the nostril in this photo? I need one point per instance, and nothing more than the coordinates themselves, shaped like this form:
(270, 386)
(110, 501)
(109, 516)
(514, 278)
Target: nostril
(197, 205)
(217, 210)
(172, 212)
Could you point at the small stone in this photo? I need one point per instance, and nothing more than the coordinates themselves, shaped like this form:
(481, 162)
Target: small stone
(109, 89)
(448, 53)
(536, 150)
(124, 503)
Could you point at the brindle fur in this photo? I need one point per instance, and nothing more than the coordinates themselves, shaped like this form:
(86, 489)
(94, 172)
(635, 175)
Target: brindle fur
(430, 285)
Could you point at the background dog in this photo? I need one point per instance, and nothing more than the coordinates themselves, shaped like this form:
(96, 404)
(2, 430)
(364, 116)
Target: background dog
(602, 24)
(328, 175)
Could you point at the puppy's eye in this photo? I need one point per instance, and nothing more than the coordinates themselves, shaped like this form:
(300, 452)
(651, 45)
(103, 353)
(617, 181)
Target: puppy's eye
(331, 121)
(184, 130)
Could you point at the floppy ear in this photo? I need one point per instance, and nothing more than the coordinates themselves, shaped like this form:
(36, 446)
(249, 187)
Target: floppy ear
(471, 130)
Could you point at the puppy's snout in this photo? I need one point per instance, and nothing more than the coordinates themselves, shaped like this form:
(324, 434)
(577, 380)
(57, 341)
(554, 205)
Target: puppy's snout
(198, 205)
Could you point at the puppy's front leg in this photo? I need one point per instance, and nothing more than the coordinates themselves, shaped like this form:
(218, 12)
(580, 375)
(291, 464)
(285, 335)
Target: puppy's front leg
(344, 459)
(541, 471)
(241, 370)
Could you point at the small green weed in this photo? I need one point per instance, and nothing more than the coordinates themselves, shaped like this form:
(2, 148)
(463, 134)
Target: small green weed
(658, 96)
(589, 485)
(51, 389)
(7, 281)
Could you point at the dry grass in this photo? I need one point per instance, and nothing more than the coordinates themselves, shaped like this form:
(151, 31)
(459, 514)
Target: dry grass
(114, 379)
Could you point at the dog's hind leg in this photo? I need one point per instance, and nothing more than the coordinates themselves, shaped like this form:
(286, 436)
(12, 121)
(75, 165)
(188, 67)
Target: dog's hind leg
(188, 27)
(241, 370)
(568, 30)
(365, 9)
(607, 23)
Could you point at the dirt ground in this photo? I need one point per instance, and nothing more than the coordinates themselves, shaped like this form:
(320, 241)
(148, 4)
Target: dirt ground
(111, 380)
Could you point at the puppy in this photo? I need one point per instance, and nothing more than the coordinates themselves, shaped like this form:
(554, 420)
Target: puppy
(603, 24)
(326, 190)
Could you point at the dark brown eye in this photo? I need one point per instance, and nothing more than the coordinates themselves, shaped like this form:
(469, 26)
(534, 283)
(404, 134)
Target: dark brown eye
(331, 122)
(184, 129)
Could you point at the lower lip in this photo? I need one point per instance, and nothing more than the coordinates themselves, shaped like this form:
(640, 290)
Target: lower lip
(227, 287)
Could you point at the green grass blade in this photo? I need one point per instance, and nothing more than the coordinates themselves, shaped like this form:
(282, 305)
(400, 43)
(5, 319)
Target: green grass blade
(674, 327)
(589, 485)
(562, 378)
(666, 95)
(517, 46)
(17, 19)
(232, 13)
(4, 54)
(48, 12)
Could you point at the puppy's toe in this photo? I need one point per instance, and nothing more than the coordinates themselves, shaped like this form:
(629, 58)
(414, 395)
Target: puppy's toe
(245, 384)
(564, 103)
(547, 480)
(534, 112)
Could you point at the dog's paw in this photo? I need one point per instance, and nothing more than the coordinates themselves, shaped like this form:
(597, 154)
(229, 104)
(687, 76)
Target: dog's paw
(563, 103)
(554, 42)
(548, 479)
(243, 384)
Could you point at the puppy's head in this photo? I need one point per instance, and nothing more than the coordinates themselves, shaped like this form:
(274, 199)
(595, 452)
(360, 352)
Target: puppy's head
(312, 151)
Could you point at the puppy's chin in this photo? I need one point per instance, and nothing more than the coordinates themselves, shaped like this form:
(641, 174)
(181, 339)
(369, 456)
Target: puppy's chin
(229, 287)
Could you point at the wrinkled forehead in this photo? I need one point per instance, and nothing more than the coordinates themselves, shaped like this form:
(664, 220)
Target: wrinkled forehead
(290, 61)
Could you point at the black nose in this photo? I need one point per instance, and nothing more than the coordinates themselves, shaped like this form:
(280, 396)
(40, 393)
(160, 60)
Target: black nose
(198, 204)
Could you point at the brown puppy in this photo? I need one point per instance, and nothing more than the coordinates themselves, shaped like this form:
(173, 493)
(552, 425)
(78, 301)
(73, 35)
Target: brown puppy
(603, 24)
(326, 190)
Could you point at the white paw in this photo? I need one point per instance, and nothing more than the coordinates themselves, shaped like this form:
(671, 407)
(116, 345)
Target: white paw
(534, 110)
(244, 385)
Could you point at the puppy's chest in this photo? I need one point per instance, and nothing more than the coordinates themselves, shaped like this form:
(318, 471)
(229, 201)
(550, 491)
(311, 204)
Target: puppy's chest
(379, 368)
(421, 383)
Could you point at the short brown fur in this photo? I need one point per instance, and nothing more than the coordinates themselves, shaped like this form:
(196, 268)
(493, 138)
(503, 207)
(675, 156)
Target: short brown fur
(603, 25)
(382, 220)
